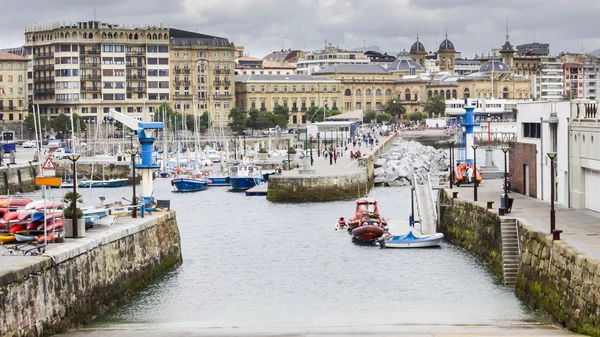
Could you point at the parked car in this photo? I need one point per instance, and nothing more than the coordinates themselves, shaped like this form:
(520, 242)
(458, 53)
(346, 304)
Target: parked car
(29, 144)
(60, 153)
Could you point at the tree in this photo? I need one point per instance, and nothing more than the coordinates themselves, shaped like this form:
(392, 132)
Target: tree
(252, 120)
(435, 106)
(416, 116)
(29, 127)
(204, 121)
(315, 114)
(394, 107)
(369, 116)
(384, 117)
(282, 114)
(237, 121)
(62, 124)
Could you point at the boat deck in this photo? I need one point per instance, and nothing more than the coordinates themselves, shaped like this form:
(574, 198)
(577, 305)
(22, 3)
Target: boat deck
(259, 190)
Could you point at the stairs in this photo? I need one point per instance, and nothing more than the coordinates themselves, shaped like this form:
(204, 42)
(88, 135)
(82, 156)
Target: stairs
(510, 250)
(426, 209)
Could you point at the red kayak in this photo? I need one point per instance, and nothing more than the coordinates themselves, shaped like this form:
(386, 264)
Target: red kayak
(33, 225)
(368, 232)
(14, 201)
(24, 215)
(53, 225)
(17, 228)
(11, 216)
(50, 205)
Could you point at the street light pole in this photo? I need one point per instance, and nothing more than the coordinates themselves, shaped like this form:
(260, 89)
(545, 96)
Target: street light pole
(505, 150)
(318, 144)
(552, 156)
(475, 169)
(133, 153)
(73, 158)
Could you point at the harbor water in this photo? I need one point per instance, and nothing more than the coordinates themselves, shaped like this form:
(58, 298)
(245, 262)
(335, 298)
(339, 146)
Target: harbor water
(252, 263)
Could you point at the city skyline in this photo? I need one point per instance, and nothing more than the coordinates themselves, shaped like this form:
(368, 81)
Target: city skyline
(269, 26)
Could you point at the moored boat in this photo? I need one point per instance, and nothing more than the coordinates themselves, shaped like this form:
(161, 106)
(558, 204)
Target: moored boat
(341, 224)
(367, 211)
(368, 232)
(409, 240)
(244, 176)
(103, 183)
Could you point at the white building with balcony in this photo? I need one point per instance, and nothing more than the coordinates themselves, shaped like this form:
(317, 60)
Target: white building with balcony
(330, 56)
(591, 70)
(547, 82)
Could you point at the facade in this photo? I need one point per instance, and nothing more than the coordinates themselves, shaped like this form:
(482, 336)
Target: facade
(253, 66)
(383, 60)
(572, 75)
(547, 83)
(296, 92)
(591, 70)
(202, 74)
(464, 67)
(13, 87)
(330, 56)
(534, 49)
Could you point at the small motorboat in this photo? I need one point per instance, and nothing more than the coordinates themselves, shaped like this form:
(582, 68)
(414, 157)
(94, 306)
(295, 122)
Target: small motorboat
(189, 184)
(341, 224)
(103, 183)
(367, 232)
(410, 240)
(366, 210)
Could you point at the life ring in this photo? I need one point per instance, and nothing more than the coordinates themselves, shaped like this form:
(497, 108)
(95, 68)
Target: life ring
(178, 170)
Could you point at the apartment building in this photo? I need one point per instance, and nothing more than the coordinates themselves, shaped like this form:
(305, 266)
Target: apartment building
(13, 87)
(202, 74)
(330, 56)
(572, 75)
(591, 70)
(296, 92)
(547, 82)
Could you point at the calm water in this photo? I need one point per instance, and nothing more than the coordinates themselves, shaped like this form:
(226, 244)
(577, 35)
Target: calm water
(249, 262)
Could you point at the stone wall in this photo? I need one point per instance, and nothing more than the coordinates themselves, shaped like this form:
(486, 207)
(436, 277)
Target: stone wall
(474, 228)
(20, 179)
(86, 277)
(557, 279)
(313, 188)
(368, 161)
(115, 170)
(522, 154)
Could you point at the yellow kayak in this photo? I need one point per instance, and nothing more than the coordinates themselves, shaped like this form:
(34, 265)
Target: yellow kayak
(7, 238)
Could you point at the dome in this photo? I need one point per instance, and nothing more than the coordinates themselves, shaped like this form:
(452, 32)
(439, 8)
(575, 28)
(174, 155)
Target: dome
(417, 47)
(404, 55)
(494, 66)
(446, 45)
(404, 64)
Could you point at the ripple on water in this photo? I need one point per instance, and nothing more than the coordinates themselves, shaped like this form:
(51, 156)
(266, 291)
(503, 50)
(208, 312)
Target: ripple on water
(251, 262)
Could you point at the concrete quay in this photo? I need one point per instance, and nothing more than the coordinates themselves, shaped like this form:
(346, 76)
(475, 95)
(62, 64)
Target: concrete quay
(345, 179)
(558, 278)
(74, 281)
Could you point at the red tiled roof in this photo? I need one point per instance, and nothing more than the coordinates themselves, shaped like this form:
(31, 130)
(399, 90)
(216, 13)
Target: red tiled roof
(4, 56)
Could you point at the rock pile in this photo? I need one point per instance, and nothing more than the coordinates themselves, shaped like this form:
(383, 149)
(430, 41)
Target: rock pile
(404, 159)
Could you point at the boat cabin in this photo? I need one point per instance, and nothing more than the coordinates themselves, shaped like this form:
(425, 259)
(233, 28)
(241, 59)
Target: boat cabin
(368, 206)
(245, 171)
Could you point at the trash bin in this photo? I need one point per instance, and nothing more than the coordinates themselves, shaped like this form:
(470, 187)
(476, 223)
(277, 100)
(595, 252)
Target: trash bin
(510, 203)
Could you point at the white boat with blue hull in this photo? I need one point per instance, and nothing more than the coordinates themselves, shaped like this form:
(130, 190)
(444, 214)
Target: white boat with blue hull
(189, 184)
(410, 240)
(244, 176)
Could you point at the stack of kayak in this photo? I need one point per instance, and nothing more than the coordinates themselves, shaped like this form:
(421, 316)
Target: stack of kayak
(23, 220)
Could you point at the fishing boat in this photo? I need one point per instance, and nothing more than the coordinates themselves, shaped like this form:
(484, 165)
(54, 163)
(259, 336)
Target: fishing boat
(216, 178)
(410, 240)
(366, 210)
(190, 181)
(103, 183)
(92, 215)
(245, 176)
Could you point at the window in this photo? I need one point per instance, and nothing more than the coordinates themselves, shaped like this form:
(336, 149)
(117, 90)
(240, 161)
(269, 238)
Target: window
(176, 54)
(275, 88)
(294, 88)
(185, 55)
(216, 55)
(163, 49)
(163, 60)
(226, 55)
(152, 49)
(163, 84)
(152, 60)
(163, 72)
(531, 130)
(226, 105)
(152, 72)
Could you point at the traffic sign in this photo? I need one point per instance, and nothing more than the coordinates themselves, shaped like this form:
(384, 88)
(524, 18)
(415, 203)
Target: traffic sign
(49, 164)
(48, 181)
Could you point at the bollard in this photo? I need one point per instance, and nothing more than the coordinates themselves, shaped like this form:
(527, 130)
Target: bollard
(489, 204)
(454, 195)
(501, 211)
(556, 234)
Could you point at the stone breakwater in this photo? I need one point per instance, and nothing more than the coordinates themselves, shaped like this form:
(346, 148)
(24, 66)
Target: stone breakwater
(80, 279)
(404, 159)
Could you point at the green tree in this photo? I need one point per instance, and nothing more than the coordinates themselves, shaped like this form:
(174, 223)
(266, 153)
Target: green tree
(394, 107)
(204, 121)
(435, 106)
(384, 117)
(266, 120)
(252, 120)
(237, 121)
(29, 127)
(416, 116)
(282, 114)
(62, 125)
(369, 116)
(314, 114)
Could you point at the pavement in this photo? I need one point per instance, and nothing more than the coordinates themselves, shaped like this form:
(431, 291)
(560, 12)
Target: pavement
(581, 228)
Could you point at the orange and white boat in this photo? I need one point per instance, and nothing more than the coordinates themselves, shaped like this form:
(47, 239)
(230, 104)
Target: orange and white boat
(366, 210)
(460, 174)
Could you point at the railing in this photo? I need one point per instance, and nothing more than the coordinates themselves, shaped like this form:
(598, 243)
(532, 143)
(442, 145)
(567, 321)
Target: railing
(44, 79)
(43, 91)
(186, 70)
(135, 53)
(135, 65)
(48, 54)
(135, 76)
(432, 198)
(136, 89)
(43, 67)
(177, 70)
(217, 71)
(182, 96)
(176, 83)
(90, 65)
(92, 89)
(222, 96)
(90, 77)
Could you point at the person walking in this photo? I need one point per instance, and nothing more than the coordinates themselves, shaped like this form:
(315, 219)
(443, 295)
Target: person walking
(335, 157)
(330, 158)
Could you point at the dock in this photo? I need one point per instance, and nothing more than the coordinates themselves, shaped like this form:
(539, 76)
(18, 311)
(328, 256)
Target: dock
(258, 190)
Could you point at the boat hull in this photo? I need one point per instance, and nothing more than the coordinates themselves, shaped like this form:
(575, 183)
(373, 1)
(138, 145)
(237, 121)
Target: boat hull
(411, 241)
(244, 183)
(103, 183)
(218, 181)
(367, 232)
(189, 185)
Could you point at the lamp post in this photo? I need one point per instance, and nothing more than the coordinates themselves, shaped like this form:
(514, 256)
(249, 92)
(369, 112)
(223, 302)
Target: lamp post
(552, 156)
(311, 151)
(451, 174)
(235, 145)
(489, 120)
(319, 144)
(505, 150)
(244, 151)
(474, 146)
(73, 157)
(133, 153)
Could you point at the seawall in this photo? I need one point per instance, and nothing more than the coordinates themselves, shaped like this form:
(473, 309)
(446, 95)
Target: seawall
(77, 280)
(553, 277)
(19, 178)
(328, 184)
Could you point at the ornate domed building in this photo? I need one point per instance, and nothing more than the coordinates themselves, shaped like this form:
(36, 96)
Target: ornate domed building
(405, 65)
(418, 52)
(446, 56)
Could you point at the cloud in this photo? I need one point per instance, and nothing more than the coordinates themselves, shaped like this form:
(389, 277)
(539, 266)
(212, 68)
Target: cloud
(262, 26)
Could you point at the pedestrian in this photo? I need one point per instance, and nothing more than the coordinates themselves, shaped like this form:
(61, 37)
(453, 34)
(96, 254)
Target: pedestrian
(335, 157)
(330, 158)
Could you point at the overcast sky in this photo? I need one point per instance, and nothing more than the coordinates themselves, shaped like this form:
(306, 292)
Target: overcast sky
(262, 25)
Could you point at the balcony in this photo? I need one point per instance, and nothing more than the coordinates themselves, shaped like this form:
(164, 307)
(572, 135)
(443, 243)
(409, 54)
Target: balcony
(182, 96)
(90, 65)
(223, 96)
(177, 70)
(186, 70)
(136, 89)
(176, 83)
(91, 89)
(187, 83)
(43, 55)
(136, 76)
(226, 82)
(294, 109)
(43, 91)
(135, 65)
(217, 71)
(303, 109)
(90, 77)
(43, 67)
(132, 53)
(44, 79)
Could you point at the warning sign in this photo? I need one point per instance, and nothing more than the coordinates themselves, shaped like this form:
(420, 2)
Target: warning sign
(49, 164)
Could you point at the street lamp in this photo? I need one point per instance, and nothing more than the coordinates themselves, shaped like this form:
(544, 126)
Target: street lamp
(489, 120)
(311, 152)
(474, 146)
(552, 156)
(73, 157)
(235, 145)
(244, 151)
(133, 153)
(451, 173)
(318, 144)
(505, 150)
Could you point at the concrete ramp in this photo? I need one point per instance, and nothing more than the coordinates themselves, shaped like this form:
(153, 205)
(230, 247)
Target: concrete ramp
(426, 206)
